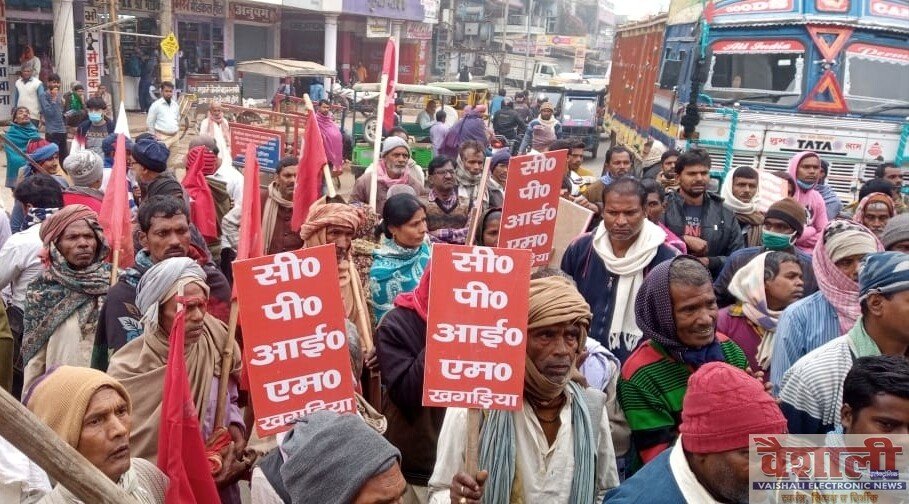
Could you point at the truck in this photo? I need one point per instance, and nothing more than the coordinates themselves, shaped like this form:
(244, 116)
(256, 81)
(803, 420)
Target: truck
(542, 71)
(757, 81)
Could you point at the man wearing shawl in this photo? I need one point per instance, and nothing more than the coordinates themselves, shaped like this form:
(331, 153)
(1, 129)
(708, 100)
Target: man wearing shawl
(811, 392)
(92, 412)
(277, 209)
(740, 193)
(764, 288)
(558, 447)
(541, 131)
(392, 170)
(215, 125)
(164, 232)
(331, 137)
(609, 265)
(874, 211)
(676, 310)
(805, 169)
(833, 310)
(469, 168)
(338, 224)
(141, 365)
(21, 131)
(62, 305)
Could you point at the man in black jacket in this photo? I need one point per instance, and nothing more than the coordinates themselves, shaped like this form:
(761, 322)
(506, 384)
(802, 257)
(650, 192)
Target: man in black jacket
(507, 122)
(710, 231)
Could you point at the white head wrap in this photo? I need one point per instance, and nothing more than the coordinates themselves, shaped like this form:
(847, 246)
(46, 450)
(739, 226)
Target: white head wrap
(161, 282)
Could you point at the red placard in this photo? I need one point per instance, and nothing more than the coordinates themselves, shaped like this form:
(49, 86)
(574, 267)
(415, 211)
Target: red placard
(477, 327)
(295, 347)
(532, 203)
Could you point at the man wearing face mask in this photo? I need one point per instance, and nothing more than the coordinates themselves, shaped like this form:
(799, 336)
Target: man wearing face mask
(834, 309)
(92, 132)
(783, 224)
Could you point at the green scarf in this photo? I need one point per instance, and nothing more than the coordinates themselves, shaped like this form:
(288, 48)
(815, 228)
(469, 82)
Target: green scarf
(860, 342)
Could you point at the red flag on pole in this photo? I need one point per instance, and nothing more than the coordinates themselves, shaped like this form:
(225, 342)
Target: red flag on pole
(114, 216)
(251, 244)
(181, 452)
(308, 185)
(389, 69)
(201, 201)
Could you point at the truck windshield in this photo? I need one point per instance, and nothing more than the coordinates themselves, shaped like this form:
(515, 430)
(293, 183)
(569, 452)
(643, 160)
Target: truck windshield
(876, 78)
(764, 71)
(578, 111)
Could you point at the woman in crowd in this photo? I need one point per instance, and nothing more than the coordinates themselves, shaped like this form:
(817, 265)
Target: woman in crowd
(398, 264)
(488, 230)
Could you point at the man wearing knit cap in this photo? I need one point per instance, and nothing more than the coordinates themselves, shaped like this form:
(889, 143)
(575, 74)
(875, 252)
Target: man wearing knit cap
(86, 169)
(334, 459)
(679, 336)
(47, 156)
(558, 447)
(392, 170)
(709, 464)
(62, 305)
(896, 234)
(149, 161)
(811, 391)
(783, 223)
(92, 413)
(834, 309)
(446, 211)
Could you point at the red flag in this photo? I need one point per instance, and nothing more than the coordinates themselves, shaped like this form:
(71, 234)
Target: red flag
(201, 201)
(308, 185)
(181, 453)
(251, 244)
(114, 216)
(389, 69)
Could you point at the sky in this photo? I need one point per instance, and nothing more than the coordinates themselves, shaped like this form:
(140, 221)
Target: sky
(637, 9)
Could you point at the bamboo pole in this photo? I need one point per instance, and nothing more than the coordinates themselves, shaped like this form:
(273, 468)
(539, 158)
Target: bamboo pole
(377, 143)
(59, 460)
(118, 67)
(115, 270)
(476, 210)
(227, 360)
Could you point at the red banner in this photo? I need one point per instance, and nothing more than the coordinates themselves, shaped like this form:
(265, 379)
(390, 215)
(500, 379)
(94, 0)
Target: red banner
(532, 203)
(477, 327)
(295, 347)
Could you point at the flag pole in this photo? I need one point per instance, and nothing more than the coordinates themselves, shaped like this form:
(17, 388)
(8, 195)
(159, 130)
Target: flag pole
(377, 143)
(227, 360)
(115, 269)
(329, 183)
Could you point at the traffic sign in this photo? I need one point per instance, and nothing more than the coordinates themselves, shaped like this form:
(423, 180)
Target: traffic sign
(170, 46)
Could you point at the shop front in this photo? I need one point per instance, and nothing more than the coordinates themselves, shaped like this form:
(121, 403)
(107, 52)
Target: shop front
(200, 32)
(255, 30)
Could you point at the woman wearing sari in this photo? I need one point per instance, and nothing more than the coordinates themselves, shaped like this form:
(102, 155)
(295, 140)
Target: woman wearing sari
(399, 262)
(141, 366)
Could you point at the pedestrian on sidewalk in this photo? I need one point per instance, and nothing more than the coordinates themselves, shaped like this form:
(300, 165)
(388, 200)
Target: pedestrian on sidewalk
(27, 92)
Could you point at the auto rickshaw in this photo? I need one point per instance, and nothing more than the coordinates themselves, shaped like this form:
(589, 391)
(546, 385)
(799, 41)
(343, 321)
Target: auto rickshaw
(468, 93)
(415, 98)
(579, 114)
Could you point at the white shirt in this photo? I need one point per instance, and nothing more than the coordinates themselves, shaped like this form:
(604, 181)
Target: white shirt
(21, 480)
(163, 117)
(546, 470)
(226, 74)
(688, 483)
(19, 262)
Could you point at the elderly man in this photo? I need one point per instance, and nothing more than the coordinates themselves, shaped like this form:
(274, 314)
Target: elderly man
(163, 234)
(93, 413)
(149, 161)
(141, 366)
(26, 91)
(618, 163)
(40, 196)
(896, 234)
(609, 265)
(740, 193)
(722, 408)
(811, 392)
(559, 447)
(338, 224)
(834, 309)
(676, 310)
(392, 171)
(62, 305)
(414, 171)
(782, 226)
(87, 172)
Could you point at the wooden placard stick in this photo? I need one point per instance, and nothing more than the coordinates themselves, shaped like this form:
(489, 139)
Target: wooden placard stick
(476, 209)
(377, 144)
(227, 361)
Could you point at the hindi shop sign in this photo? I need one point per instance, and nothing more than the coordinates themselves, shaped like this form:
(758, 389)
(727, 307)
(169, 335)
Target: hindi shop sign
(477, 327)
(532, 203)
(221, 92)
(94, 59)
(295, 347)
(269, 145)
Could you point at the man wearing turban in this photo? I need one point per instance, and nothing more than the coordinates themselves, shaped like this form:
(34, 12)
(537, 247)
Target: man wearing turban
(62, 305)
(558, 413)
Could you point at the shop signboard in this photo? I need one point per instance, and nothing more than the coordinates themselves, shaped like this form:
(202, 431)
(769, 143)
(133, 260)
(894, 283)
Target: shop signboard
(269, 145)
(94, 59)
(5, 99)
(135, 5)
(406, 10)
(377, 28)
(213, 8)
(253, 13)
(221, 92)
(417, 31)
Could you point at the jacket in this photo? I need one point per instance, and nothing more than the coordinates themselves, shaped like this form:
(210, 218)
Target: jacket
(283, 238)
(597, 284)
(719, 227)
(412, 428)
(508, 123)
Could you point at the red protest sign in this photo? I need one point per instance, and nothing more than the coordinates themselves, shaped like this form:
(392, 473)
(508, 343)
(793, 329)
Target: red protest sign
(295, 347)
(532, 203)
(477, 327)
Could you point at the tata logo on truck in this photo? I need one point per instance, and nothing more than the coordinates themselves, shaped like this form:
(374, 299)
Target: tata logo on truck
(814, 145)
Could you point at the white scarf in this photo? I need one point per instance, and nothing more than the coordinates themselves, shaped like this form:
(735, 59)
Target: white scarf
(747, 285)
(631, 276)
(735, 204)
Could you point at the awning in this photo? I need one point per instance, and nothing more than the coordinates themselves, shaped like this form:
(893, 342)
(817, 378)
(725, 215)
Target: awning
(285, 68)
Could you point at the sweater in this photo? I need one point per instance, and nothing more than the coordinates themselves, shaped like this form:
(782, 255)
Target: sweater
(27, 94)
(651, 391)
(52, 110)
(412, 428)
(598, 286)
(736, 326)
(438, 217)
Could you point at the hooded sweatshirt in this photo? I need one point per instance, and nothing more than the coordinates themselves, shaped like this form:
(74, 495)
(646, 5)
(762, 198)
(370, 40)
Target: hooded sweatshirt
(813, 201)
